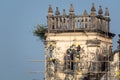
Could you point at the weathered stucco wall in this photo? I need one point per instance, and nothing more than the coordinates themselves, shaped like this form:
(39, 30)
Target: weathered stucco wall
(92, 47)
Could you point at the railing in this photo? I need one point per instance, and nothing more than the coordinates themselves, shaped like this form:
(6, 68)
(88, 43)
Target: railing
(77, 23)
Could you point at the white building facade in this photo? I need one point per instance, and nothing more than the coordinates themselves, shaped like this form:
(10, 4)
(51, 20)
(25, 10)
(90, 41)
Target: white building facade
(79, 47)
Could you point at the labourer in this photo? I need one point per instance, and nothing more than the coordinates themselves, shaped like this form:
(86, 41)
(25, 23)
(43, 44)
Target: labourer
(78, 51)
(72, 53)
(67, 59)
(51, 48)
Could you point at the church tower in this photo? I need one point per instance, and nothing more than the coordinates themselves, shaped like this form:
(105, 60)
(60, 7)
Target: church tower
(78, 47)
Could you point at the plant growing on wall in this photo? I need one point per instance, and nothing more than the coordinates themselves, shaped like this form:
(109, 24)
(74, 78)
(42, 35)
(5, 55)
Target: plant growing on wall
(40, 32)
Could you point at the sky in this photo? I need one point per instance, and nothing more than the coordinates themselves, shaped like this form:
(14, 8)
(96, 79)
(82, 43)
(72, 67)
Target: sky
(18, 45)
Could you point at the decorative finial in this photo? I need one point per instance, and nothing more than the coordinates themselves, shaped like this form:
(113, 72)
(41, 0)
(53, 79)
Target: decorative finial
(119, 35)
(93, 8)
(100, 12)
(64, 13)
(50, 9)
(57, 11)
(119, 40)
(85, 14)
(107, 12)
(71, 8)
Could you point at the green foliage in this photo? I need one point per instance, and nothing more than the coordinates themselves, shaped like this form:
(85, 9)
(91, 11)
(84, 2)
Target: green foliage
(40, 32)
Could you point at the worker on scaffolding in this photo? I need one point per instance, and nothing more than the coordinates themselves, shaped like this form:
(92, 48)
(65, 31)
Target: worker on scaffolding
(77, 58)
(72, 53)
(51, 48)
(53, 61)
(78, 51)
(67, 59)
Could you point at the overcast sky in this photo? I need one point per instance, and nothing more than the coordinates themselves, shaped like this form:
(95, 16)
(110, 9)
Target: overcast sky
(18, 45)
